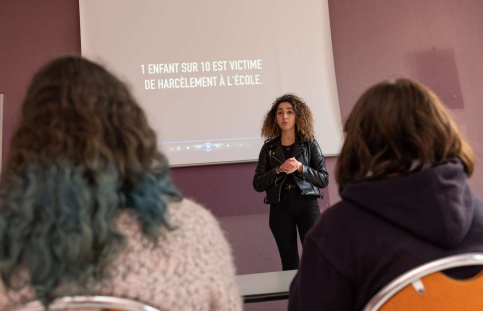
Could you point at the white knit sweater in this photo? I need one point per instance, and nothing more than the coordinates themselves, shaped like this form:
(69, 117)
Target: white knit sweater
(191, 268)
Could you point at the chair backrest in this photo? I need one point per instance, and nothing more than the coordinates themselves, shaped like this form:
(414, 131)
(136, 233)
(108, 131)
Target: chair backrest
(426, 288)
(86, 302)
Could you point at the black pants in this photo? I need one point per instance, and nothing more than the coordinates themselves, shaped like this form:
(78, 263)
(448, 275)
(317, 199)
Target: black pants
(294, 211)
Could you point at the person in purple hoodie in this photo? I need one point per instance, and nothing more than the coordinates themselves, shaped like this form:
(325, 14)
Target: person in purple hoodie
(405, 201)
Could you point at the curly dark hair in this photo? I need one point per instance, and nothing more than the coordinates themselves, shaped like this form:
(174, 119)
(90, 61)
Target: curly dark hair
(394, 123)
(83, 151)
(304, 128)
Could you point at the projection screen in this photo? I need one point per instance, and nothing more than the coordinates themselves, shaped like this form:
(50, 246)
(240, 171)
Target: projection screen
(207, 72)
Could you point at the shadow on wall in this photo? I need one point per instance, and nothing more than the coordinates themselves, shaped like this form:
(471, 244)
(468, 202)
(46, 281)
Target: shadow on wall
(253, 245)
(254, 250)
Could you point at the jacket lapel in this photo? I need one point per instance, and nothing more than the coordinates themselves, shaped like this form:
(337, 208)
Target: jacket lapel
(298, 148)
(276, 152)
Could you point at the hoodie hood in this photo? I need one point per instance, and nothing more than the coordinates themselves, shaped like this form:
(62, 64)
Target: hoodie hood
(435, 204)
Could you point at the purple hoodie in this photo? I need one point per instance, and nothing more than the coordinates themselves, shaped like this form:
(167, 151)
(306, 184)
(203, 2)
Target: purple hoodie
(383, 228)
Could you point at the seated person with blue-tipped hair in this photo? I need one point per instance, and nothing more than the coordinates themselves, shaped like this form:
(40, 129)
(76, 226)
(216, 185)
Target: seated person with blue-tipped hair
(402, 176)
(87, 207)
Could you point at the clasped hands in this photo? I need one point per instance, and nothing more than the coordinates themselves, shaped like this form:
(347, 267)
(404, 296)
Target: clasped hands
(291, 165)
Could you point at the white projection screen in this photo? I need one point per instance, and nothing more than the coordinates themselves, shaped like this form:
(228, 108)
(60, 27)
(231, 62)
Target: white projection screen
(206, 72)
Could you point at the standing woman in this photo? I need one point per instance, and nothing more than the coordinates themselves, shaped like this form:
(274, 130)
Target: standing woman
(291, 169)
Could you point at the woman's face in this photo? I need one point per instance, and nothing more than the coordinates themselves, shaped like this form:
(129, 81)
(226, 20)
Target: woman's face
(286, 117)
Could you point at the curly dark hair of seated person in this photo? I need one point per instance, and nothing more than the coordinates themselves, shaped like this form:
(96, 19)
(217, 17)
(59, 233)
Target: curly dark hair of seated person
(393, 126)
(83, 151)
(303, 118)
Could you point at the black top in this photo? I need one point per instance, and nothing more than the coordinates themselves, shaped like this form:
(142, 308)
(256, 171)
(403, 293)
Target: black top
(287, 151)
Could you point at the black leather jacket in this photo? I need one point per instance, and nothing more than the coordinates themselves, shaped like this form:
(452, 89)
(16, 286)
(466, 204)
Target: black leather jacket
(313, 176)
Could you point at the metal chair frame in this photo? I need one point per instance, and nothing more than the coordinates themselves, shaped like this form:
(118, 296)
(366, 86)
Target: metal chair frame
(413, 276)
(78, 302)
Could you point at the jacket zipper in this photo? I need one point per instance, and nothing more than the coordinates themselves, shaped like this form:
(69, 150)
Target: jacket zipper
(279, 190)
(271, 154)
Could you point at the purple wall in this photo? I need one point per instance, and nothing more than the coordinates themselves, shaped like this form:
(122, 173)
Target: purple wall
(438, 42)
(31, 33)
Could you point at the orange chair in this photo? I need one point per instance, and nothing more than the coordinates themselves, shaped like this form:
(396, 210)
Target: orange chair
(86, 302)
(426, 288)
